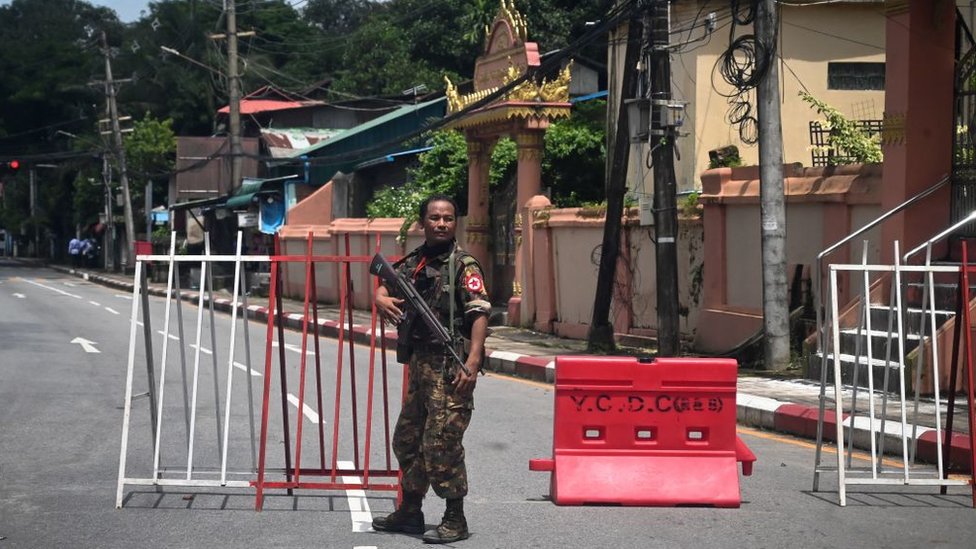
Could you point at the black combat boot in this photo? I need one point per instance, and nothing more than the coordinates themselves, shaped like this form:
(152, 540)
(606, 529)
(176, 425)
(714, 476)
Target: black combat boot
(408, 518)
(453, 526)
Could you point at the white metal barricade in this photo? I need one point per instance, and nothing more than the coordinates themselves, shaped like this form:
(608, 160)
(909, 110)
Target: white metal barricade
(217, 462)
(879, 424)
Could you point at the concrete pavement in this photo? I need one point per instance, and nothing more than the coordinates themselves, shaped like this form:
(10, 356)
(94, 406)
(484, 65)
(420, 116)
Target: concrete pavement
(784, 405)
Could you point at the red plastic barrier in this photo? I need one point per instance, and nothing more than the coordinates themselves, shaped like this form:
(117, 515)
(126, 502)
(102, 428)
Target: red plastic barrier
(632, 432)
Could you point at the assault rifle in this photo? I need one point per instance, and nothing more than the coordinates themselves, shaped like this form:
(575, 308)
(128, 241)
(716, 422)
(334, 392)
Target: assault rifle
(380, 267)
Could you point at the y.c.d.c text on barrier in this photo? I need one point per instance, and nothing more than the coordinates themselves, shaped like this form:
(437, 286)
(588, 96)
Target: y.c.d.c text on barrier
(661, 403)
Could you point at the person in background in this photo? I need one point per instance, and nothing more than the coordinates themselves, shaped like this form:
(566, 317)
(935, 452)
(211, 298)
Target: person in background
(89, 250)
(74, 252)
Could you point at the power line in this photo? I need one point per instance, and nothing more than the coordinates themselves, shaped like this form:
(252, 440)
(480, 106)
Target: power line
(550, 63)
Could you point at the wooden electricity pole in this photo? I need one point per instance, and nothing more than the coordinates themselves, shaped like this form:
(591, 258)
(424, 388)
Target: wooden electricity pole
(600, 336)
(234, 93)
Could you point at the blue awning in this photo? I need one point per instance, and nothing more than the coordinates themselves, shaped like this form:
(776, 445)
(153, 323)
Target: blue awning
(389, 158)
(588, 97)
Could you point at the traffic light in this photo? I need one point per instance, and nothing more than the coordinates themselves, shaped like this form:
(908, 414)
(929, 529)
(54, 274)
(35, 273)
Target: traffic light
(9, 167)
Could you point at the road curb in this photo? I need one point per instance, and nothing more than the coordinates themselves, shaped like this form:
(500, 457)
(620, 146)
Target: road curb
(770, 414)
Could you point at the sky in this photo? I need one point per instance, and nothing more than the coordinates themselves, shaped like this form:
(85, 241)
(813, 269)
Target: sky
(128, 10)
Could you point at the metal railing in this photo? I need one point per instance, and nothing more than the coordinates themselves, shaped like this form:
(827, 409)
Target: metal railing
(818, 276)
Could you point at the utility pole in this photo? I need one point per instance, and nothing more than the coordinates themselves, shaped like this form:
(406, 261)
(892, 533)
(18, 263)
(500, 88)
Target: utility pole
(600, 336)
(657, 27)
(109, 246)
(234, 93)
(776, 315)
(32, 178)
(130, 231)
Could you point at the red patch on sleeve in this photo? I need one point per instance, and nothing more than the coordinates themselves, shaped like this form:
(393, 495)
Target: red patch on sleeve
(474, 283)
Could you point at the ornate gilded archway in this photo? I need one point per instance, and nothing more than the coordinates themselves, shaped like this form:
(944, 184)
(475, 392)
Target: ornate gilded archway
(524, 114)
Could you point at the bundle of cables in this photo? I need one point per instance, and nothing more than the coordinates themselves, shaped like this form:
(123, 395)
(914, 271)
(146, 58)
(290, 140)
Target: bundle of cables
(743, 65)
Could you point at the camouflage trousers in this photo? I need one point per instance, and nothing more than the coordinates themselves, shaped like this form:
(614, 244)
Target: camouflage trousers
(427, 438)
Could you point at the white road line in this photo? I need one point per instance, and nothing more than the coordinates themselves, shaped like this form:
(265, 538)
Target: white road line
(95, 303)
(243, 368)
(69, 284)
(364, 547)
(20, 296)
(295, 348)
(204, 350)
(62, 292)
(111, 310)
(129, 297)
(306, 409)
(362, 517)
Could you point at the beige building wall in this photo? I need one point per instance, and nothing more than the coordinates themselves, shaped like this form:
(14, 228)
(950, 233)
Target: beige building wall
(810, 37)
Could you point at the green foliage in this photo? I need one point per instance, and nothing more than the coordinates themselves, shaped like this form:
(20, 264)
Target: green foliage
(151, 147)
(573, 166)
(88, 196)
(732, 160)
(689, 205)
(444, 168)
(150, 152)
(403, 43)
(403, 201)
(575, 156)
(504, 162)
(845, 136)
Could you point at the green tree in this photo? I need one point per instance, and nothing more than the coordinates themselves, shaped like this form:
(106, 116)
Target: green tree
(573, 166)
(169, 85)
(150, 152)
(575, 156)
(49, 55)
(403, 43)
(379, 61)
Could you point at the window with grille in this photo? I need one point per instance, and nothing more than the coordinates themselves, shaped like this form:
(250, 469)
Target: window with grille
(855, 76)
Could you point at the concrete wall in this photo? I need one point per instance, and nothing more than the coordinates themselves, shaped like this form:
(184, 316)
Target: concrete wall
(575, 234)
(823, 205)
(810, 36)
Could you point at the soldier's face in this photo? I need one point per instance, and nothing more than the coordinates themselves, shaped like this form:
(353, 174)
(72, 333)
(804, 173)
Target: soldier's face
(439, 222)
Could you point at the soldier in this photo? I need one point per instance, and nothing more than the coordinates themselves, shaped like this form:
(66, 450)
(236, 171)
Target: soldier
(437, 407)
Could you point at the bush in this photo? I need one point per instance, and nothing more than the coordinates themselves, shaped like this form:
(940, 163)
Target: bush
(845, 135)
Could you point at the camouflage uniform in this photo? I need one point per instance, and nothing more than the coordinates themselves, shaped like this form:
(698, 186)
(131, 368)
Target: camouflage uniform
(428, 436)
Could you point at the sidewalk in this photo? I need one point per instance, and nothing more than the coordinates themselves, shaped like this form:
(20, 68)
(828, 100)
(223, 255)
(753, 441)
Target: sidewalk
(784, 405)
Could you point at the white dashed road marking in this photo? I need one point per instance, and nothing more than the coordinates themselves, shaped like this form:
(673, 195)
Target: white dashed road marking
(111, 310)
(62, 292)
(307, 410)
(362, 517)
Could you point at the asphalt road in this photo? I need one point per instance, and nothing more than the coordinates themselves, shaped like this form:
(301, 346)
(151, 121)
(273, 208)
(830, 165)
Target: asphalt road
(61, 408)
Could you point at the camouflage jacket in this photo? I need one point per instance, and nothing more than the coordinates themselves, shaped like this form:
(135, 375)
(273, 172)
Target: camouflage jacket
(428, 274)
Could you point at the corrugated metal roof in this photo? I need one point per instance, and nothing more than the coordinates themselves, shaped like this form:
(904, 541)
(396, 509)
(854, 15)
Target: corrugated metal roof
(361, 143)
(254, 106)
(283, 142)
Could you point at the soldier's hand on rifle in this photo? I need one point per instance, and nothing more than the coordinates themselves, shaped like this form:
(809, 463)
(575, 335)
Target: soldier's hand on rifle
(464, 383)
(388, 307)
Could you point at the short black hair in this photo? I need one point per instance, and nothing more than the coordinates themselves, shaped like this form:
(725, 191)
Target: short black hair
(436, 198)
